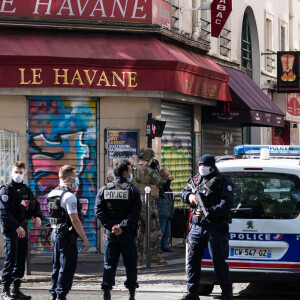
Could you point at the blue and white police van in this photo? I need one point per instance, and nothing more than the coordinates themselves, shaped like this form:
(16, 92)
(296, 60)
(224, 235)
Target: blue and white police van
(264, 237)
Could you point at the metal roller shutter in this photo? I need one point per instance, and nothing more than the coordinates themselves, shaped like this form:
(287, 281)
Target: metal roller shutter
(62, 131)
(177, 142)
(220, 139)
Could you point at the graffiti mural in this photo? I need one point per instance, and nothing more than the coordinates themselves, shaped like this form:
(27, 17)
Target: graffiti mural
(176, 156)
(62, 131)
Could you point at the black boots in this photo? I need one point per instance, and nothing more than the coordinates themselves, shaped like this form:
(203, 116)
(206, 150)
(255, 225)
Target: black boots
(131, 293)
(5, 293)
(58, 297)
(227, 297)
(17, 294)
(106, 294)
(190, 296)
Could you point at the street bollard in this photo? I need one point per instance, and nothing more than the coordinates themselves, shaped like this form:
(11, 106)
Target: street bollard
(147, 198)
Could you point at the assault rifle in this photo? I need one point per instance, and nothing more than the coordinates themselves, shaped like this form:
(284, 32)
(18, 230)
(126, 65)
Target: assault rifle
(200, 204)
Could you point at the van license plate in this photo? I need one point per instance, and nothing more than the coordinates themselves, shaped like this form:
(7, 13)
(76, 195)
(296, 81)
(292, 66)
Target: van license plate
(250, 252)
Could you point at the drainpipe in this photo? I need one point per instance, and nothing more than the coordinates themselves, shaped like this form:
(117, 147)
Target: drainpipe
(292, 23)
(196, 19)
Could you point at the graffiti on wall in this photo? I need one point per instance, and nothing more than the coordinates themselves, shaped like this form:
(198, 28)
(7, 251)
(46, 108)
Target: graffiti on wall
(176, 156)
(62, 131)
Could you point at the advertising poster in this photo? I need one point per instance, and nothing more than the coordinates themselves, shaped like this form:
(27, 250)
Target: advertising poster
(120, 144)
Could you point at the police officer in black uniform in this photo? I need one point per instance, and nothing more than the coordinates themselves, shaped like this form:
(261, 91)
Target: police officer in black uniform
(118, 206)
(66, 223)
(216, 193)
(17, 207)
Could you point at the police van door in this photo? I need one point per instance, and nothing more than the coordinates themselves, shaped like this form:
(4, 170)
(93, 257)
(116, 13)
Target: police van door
(62, 130)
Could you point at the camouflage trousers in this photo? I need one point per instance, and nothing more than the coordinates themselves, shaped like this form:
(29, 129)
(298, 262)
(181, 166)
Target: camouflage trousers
(155, 233)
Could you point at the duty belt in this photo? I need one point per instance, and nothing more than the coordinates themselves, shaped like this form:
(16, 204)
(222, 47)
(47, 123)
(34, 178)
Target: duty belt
(55, 220)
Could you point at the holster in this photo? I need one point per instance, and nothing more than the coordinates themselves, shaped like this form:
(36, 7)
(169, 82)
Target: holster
(63, 230)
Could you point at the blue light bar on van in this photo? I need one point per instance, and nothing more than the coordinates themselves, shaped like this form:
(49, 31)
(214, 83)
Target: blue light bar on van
(274, 150)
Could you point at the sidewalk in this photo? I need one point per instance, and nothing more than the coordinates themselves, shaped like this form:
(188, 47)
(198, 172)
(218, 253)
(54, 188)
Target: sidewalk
(90, 265)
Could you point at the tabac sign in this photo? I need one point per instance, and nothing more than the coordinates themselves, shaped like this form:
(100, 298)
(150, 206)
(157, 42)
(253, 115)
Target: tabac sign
(288, 72)
(131, 11)
(220, 11)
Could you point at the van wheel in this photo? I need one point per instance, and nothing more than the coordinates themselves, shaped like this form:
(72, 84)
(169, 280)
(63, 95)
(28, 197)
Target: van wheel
(205, 289)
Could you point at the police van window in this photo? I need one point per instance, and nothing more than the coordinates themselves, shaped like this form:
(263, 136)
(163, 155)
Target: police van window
(265, 195)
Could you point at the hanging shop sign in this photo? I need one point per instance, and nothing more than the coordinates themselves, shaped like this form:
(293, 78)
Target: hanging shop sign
(288, 76)
(220, 11)
(293, 107)
(132, 11)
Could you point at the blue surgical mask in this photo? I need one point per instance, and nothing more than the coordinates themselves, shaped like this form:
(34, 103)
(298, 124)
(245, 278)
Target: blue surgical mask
(76, 182)
(130, 178)
(164, 181)
(149, 164)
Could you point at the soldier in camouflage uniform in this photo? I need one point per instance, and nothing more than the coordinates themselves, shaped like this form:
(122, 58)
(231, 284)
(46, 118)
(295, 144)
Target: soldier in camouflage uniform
(144, 175)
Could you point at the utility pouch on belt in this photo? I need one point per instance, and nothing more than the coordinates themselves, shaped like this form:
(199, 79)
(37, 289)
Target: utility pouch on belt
(2, 228)
(63, 230)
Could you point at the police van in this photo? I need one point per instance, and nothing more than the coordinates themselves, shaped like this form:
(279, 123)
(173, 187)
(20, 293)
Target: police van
(264, 237)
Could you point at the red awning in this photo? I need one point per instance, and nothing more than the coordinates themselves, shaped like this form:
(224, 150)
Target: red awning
(108, 62)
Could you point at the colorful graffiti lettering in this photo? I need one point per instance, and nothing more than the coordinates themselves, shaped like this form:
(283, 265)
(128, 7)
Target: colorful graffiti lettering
(62, 131)
(177, 158)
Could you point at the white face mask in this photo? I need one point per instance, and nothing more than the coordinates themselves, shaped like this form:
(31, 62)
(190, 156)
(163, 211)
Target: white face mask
(18, 178)
(204, 171)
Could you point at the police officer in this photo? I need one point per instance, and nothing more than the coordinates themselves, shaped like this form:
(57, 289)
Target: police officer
(118, 207)
(66, 223)
(17, 206)
(216, 193)
(145, 173)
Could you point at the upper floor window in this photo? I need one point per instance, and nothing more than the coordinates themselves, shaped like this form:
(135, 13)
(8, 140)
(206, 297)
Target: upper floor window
(270, 59)
(225, 40)
(283, 36)
(246, 51)
(175, 14)
(205, 28)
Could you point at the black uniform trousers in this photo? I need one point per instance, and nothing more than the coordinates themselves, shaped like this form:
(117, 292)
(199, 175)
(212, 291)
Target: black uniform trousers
(15, 250)
(201, 237)
(64, 261)
(124, 244)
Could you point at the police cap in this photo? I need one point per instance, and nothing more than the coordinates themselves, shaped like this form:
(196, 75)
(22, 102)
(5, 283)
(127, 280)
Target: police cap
(146, 154)
(208, 160)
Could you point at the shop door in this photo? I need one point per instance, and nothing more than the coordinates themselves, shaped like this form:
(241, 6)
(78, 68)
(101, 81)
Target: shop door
(220, 139)
(62, 131)
(177, 142)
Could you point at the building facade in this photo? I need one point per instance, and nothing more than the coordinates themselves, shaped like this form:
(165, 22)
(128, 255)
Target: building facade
(250, 40)
(78, 81)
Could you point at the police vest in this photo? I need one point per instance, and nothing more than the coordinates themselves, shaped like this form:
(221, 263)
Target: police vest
(118, 201)
(23, 202)
(58, 215)
(213, 198)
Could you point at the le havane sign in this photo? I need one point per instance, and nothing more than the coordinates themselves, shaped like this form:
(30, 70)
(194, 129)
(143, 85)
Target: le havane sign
(145, 11)
(220, 11)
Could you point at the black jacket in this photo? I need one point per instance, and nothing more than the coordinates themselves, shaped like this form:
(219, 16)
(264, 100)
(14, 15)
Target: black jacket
(10, 201)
